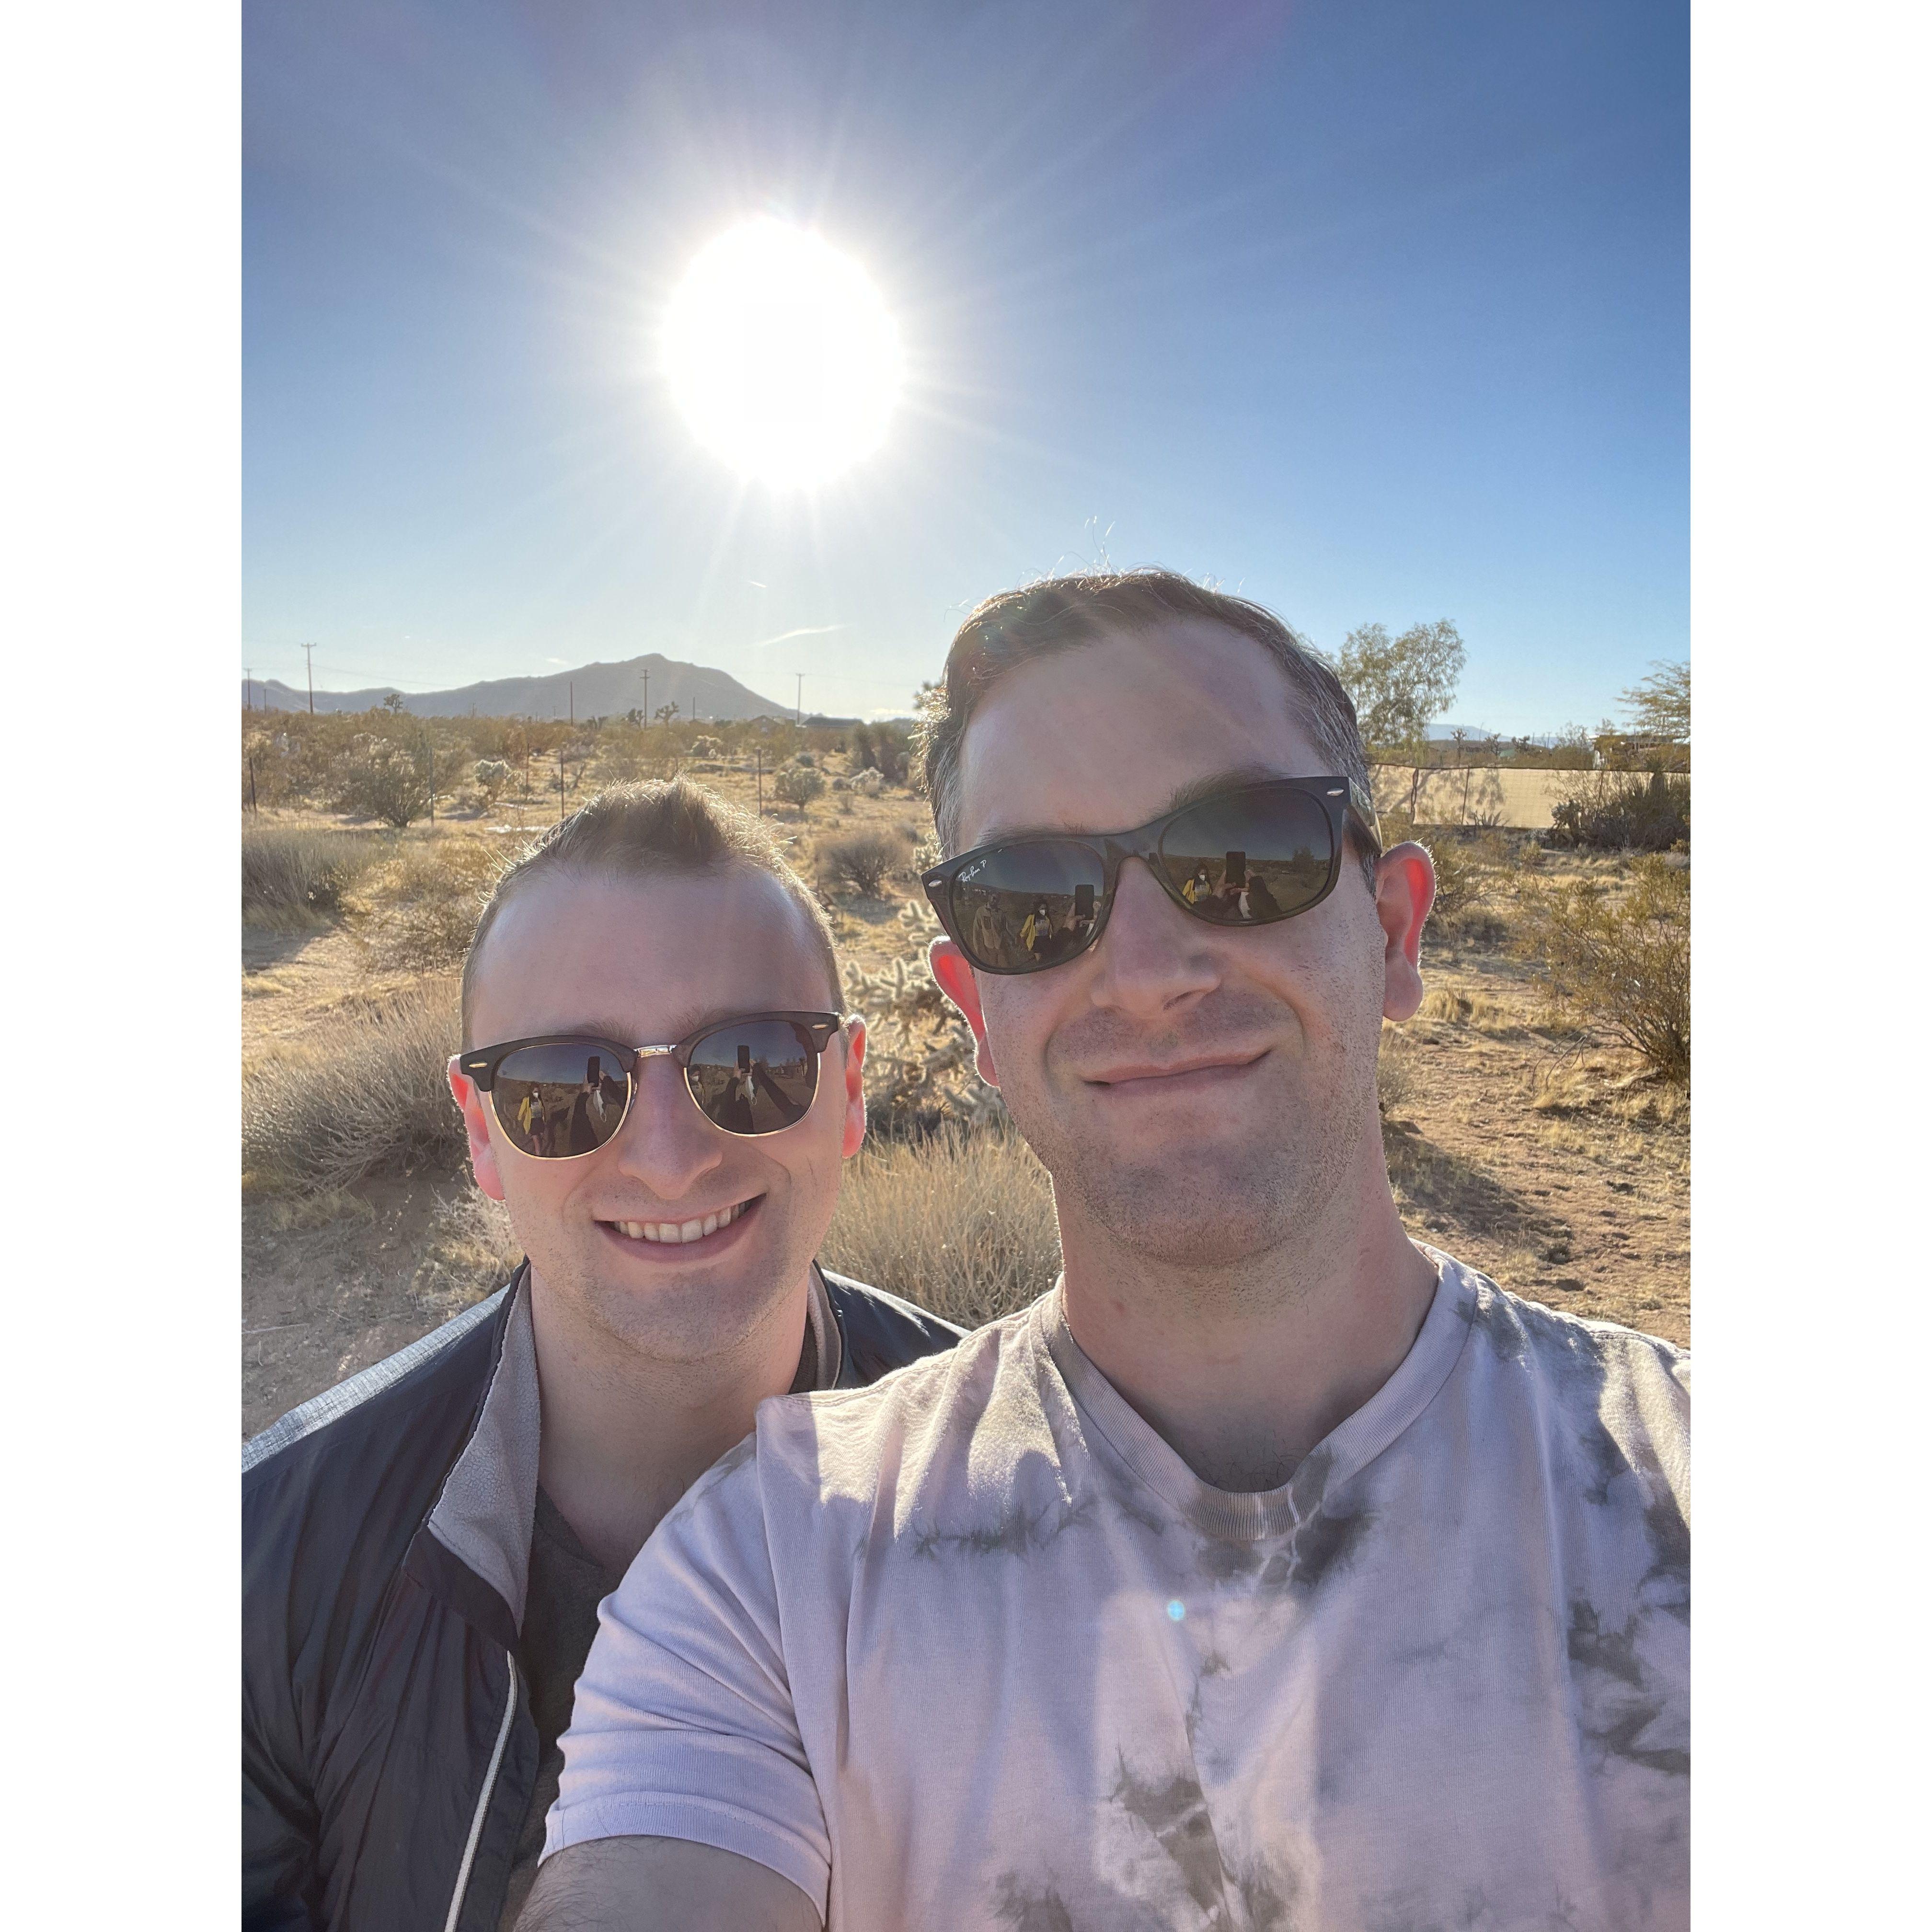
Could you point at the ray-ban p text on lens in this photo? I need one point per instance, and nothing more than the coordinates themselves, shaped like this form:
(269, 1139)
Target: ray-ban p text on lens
(1247, 856)
(559, 1095)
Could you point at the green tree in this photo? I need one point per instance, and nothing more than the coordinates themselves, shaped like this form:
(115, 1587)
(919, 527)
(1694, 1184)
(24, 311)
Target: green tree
(1398, 684)
(1658, 707)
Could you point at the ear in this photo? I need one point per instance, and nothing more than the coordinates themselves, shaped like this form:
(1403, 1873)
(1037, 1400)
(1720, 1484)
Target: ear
(476, 1125)
(1405, 890)
(957, 982)
(855, 1088)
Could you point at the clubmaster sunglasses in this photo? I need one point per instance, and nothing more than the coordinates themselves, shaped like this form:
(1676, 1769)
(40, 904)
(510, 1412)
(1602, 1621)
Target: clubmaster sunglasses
(1248, 855)
(560, 1096)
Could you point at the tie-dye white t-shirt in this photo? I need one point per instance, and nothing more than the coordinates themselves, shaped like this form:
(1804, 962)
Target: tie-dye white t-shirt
(973, 1647)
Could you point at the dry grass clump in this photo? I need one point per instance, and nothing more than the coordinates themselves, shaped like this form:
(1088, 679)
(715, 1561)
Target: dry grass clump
(961, 1223)
(1395, 1071)
(420, 911)
(367, 1096)
(860, 861)
(1626, 964)
(293, 876)
(469, 1251)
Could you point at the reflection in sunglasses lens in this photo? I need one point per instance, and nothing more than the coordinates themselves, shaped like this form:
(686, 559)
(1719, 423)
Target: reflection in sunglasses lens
(560, 1099)
(754, 1077)
(1248, 857)
(1029, 905)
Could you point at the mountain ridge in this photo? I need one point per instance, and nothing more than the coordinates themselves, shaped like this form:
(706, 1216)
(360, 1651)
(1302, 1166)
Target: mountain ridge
(592, 690)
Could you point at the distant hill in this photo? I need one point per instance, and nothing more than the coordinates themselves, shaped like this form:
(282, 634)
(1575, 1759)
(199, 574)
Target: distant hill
(602, 690)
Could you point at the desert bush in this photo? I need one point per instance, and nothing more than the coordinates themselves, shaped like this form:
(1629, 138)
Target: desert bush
(1625, 964)
(420, 912)
(860, 861)
(1618, 811)
(883, 749)
(797, 785)
(376, 777)
(469, 1250)
(868, 783)
(1395, 1071)
(706, 748)
(919, 1072)
(492, 776)
(367, 1096)
(292, 873)
(961, 1222)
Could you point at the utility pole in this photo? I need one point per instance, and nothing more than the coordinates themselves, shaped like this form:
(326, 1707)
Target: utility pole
(311, 649)
(798, 706)
(573, 704)
(559, 784)
(248, 689)
(647, 697)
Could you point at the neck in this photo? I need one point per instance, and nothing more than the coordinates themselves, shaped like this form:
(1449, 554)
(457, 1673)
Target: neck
(626, 1434)
(1242, 1369)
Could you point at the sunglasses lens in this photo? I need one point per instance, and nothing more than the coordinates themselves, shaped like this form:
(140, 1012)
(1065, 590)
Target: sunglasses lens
(1022, 907)
(754, 1076)
(1246, 857)
(560, 1099)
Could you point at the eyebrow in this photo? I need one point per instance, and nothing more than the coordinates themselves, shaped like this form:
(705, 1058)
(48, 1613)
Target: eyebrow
(1192, 792)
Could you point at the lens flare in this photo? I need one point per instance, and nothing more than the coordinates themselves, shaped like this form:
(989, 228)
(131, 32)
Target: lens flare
(781, 354)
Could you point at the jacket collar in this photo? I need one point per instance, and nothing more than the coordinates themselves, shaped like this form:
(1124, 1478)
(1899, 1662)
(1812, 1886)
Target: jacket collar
(474, 1547)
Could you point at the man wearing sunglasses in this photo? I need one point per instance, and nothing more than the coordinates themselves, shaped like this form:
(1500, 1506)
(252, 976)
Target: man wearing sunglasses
(1272, 1570)
(657, 1081)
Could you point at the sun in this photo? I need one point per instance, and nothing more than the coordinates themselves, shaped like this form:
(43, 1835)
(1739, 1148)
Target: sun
(781, 356)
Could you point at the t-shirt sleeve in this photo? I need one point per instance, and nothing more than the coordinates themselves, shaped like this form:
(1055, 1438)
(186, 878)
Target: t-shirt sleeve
(683, 1726)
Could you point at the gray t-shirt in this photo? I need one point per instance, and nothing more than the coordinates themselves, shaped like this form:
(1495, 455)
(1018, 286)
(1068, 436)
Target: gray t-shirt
(974, 1648)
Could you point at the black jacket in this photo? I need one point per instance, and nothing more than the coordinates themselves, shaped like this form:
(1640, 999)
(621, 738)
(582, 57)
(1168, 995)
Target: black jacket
(387, 1751)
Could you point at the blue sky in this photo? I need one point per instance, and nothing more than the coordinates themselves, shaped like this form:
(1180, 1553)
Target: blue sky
(1371, 311)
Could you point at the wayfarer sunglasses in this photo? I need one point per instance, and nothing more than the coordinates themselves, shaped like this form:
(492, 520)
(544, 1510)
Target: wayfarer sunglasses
(1248, 855)
(560, 1096)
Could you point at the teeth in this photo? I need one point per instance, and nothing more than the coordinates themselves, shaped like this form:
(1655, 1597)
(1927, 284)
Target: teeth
(680, 1231)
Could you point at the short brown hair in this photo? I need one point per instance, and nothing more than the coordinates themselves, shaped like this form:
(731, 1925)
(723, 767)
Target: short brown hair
(1062, 612)
(661, 825)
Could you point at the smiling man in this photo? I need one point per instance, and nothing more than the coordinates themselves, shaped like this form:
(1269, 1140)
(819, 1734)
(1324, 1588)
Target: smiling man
(1274, 1570)
(657, 1080)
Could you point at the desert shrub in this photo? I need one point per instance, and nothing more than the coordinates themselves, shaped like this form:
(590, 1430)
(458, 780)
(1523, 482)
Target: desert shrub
(367, 1096)
(289, 872)
(1625, 964)
(883, 749)
(492, 776)
(1395, 1071)
(420, 912)
(376, 777)
(919, 1072)
(868, 783)
(1617, 812)
(860, 861)
(469, 1250)
(706, 748)
(962, 1222)
(797, 785)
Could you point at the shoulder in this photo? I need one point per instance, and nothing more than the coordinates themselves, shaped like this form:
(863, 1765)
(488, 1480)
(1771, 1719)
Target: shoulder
(882, 1333)
(366, 1458)
(984, 1400)
(1605, 1398)
(1569, 1348)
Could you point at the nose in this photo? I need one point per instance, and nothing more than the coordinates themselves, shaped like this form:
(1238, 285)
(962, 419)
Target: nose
(665, 1142)
(1152, 955)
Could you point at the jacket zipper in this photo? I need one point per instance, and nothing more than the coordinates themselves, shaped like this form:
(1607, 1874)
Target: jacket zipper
(483, 1802)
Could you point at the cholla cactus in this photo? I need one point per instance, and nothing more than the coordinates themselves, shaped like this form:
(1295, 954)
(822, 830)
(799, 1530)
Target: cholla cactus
(918, 1058)
(868, 783)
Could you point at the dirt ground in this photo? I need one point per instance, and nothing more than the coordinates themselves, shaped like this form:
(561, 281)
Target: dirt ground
(1538, 1153)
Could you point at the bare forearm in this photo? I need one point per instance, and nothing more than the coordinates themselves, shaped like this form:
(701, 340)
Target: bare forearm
(662, 1884)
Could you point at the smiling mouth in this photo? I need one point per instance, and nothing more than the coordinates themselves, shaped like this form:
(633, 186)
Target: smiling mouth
(1197, 1072)
(674, 1232)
